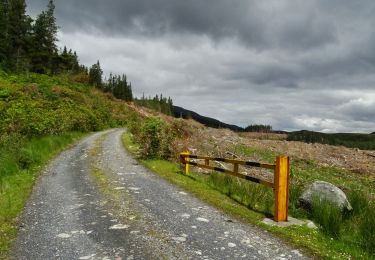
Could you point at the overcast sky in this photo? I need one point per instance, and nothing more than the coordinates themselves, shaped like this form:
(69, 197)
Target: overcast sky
(289, 63)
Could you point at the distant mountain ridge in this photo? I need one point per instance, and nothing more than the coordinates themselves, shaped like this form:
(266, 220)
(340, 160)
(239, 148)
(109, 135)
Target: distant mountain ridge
(207, 121)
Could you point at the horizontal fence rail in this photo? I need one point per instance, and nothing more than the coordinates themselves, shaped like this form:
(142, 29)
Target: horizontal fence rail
(281, 176)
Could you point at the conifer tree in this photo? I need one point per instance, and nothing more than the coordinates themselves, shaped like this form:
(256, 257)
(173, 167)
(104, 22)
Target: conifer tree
(17, 34)
(110, 85)
(95, 75)
(129, 96)
(66, 61)
(4, 41)
(25, 45)
(116, 88)
(124, 88)
(44, 41)
(75, 65)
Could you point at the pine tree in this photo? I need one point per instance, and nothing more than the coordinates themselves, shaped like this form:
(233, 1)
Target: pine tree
(4, 40)
(124, 88)
(95, 75)
(26, 46)
(75, 65)
(17, 35)
(116, 88)
(129, 92)
(44, 41)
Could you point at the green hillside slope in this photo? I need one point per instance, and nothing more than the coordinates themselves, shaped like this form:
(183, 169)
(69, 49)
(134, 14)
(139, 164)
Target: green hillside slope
(35, 105)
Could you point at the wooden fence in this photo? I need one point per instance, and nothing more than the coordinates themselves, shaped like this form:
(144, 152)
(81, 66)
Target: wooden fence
(280, 184)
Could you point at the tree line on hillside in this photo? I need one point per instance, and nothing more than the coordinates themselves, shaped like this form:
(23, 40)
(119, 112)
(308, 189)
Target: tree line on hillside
(351, 140)
(116, 84)
(28, 45)
(258, 128)
(158, 103)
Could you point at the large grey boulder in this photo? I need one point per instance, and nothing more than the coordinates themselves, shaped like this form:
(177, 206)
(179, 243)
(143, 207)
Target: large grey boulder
(324, 191)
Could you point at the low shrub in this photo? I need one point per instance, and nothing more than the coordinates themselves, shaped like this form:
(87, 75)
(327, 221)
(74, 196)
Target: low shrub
(156, 136)
(152, 131)
(25, 158)
(153, 136)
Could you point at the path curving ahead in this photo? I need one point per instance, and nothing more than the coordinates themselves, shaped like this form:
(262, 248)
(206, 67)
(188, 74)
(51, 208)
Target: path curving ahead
(95, 202)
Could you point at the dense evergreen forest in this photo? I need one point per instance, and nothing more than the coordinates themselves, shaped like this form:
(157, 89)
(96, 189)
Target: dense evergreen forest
(30, 46)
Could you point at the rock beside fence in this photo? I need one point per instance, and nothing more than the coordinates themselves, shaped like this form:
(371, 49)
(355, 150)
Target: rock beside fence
(324, 191)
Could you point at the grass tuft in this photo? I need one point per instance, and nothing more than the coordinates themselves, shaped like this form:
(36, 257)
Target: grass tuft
(253, 196)
(367, 230)
(359, 202)
(328, 216)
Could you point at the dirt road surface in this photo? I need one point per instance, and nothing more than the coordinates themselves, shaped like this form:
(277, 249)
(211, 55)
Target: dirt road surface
(94, 201)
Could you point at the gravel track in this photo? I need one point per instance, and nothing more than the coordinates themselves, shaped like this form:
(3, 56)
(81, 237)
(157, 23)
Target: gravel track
(94, 201)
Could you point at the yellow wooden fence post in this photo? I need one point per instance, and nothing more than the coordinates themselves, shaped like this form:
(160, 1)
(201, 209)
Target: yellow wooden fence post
(281, 183)
(185, 156)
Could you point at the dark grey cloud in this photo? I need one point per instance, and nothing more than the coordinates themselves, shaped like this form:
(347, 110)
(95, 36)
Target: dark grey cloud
(288, 24)
(290, 63)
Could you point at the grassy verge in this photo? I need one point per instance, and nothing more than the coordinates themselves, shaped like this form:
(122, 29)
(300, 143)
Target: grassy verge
(195, 183)
(350, 237)
(19, 169)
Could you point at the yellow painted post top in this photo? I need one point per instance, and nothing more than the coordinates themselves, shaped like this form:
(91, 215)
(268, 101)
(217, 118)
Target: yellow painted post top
(281, 186)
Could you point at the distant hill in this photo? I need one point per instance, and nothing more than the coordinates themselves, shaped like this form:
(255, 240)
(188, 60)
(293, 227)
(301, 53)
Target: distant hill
(207, 121)
(351, 140)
